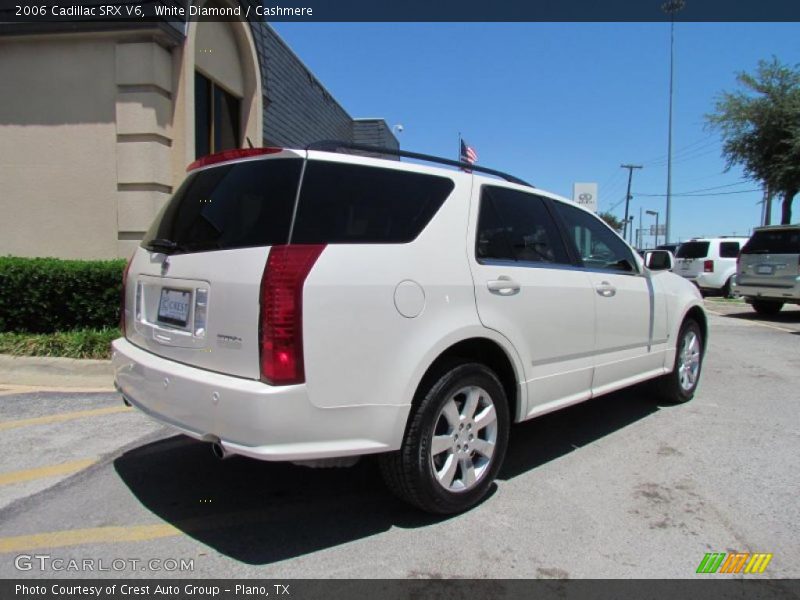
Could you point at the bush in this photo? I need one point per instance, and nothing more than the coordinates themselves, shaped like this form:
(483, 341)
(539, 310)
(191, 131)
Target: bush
(81, 343)
(45, 295)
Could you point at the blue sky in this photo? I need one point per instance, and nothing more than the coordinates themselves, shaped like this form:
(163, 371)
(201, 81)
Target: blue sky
(556, 103)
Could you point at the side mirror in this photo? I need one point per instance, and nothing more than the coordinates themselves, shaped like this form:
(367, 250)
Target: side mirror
(659, 260)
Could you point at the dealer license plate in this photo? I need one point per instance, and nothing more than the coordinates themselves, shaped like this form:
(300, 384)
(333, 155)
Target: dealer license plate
(173, 307)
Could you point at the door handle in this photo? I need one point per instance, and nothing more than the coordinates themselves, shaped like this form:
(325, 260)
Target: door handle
(606, 290)
(503, 286)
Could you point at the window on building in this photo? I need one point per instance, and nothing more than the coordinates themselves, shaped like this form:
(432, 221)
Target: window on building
(216, 117)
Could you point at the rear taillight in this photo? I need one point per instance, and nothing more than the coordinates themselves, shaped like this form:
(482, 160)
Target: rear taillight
(708, 266)
(281, 319)
(122, 296)
(227, 155)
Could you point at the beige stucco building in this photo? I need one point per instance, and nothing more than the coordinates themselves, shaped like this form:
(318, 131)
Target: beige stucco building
(97, 125)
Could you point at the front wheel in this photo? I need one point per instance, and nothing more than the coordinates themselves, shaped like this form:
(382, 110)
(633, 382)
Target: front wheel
(679, 386)
(454, 444)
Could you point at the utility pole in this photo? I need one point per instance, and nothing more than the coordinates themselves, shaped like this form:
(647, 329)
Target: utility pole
(628, 197)
(670, 7)
(767, 206)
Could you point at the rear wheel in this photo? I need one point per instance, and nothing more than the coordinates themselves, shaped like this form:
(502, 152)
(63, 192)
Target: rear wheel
(679, 385)
(726, 289)
(454, 444)
(765, 307)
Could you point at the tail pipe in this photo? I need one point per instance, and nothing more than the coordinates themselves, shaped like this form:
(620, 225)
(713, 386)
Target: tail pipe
(219, 451)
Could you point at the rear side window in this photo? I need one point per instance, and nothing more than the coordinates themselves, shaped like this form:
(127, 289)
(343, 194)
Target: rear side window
(728, 249)
(692, 250)
(786, 241)
(353, 204)
(230, 206)
(516, 226)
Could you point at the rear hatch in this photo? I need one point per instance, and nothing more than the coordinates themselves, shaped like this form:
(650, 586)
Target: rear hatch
(771, 258)
(193, 285)
(690, 257)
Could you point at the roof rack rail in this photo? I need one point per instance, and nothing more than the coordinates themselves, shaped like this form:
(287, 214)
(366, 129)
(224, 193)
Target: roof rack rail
(337, 146)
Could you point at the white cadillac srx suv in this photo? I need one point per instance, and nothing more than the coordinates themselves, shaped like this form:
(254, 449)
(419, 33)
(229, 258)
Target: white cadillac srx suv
(316, 305)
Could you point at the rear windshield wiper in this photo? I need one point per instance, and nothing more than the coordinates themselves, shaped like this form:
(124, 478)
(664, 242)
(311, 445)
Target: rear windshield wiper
(162, 245)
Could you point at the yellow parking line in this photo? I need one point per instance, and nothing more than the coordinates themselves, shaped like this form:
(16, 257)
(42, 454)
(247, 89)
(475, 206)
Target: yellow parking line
(94, 535)
(58, 418)
(48, 471)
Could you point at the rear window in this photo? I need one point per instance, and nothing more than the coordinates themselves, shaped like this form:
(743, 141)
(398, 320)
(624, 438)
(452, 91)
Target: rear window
(251, 204)
(230, 206)
(692, 250)
(353, 204)
(782, 241)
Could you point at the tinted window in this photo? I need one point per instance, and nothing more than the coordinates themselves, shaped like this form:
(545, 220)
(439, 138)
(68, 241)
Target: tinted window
(728, 249)
(231, 206)
(692, 250)
(785, 241)
(350, 204)
(597, 245)
(516, 226)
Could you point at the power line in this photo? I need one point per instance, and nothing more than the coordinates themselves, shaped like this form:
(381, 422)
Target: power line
(685, 195)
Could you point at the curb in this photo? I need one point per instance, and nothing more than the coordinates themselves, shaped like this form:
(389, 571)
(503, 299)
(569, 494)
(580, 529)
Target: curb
(56, 372)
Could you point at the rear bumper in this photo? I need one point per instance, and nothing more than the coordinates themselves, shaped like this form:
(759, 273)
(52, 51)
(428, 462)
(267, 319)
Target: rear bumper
(248, 417)
(778, 294)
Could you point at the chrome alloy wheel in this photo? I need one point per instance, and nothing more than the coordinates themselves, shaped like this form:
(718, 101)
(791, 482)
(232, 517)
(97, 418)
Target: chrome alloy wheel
(689, 360)
(464, 438)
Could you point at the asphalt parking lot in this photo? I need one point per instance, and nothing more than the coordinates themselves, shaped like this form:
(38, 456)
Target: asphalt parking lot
(617, 487)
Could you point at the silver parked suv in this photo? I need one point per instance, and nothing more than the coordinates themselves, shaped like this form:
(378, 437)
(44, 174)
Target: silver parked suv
(768, 272)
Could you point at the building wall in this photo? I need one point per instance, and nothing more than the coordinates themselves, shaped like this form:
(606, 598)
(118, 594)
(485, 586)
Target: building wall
(298, 109)
(96, 129)
(58, 169)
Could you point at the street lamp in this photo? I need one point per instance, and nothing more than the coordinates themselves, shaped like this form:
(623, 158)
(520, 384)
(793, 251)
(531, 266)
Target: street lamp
(670, 7)
(654, 213)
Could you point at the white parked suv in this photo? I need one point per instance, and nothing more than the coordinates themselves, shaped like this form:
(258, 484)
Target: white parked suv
(710, 263)
(314, 306)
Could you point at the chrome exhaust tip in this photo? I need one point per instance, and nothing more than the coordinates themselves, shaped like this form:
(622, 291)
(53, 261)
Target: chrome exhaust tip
(218, 451)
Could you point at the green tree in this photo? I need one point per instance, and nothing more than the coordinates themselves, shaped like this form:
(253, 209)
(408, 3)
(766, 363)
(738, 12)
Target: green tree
(760, 128)
(611, 221)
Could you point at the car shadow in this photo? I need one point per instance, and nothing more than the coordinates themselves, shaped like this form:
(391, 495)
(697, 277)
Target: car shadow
(787, 315)
(260, 512)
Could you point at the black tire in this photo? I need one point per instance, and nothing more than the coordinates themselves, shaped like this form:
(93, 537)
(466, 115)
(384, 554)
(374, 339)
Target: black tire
(669, 387)
(410, 473)
(766, 307)
(726, 289)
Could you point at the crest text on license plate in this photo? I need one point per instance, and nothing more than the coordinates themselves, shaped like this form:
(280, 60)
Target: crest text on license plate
(173, 306)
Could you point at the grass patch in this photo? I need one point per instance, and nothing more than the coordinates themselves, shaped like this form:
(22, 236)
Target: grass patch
(79, 343)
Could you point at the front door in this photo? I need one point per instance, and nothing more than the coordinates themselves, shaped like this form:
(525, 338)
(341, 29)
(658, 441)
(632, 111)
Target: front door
(623, 297)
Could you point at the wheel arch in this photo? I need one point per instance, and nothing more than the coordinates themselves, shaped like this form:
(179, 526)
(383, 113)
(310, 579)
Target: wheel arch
(697, 314)
(486, 351)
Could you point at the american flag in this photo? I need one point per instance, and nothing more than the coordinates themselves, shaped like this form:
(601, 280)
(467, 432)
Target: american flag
(468, 153)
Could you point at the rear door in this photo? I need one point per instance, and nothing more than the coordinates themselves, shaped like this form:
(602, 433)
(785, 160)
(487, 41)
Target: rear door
(770, 259)
(528, 289)
(193, 285)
